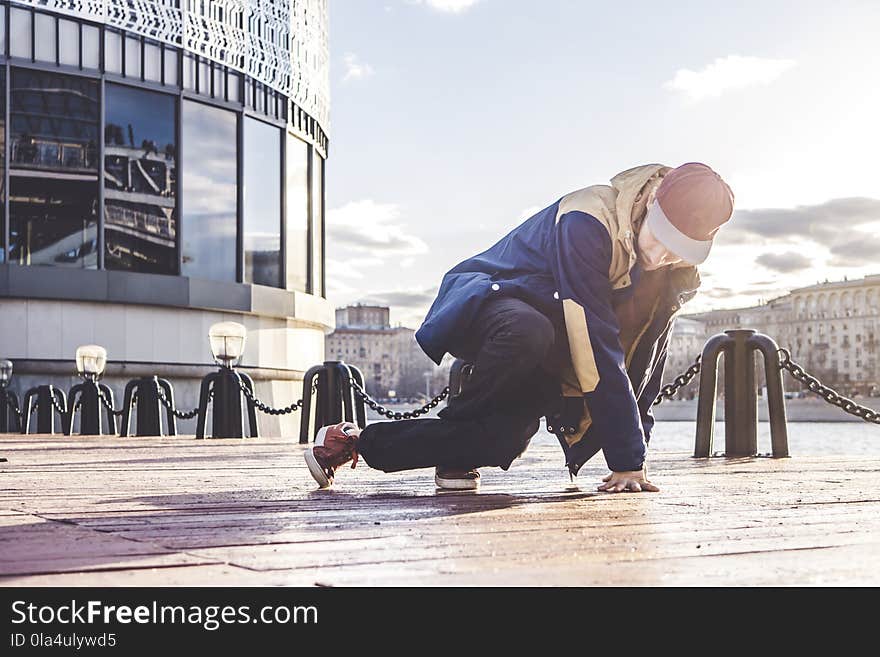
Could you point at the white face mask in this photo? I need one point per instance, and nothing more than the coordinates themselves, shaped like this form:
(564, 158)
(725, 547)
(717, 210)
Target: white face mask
(652, 254)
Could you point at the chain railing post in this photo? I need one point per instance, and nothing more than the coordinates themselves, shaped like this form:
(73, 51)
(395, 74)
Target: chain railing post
(145, 395)
(775, 393)
(740, 396)
(44, 399)
(705, 434)
(90, 396)
(10, 418)
(227, 419)
(311, 376)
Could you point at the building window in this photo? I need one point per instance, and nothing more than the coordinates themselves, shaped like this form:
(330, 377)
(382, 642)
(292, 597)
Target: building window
(262, 203)
(209, 192)
(296, 230)
(140, 228)
(53, 169)
(317, 207)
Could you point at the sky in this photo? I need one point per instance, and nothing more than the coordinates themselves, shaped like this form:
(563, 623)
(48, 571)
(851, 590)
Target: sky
(454, 120)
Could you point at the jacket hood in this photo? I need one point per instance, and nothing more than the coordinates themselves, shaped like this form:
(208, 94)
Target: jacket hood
(633, 187)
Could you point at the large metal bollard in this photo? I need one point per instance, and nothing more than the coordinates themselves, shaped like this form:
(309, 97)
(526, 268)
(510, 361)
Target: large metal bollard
(87, 395)
(146, 394)
(740, 394)
(47, 400)
(223, 388)
(335, 400)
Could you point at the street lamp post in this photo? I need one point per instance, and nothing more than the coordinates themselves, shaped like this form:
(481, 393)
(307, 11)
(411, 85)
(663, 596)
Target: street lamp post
(91, 360)
(227, 341)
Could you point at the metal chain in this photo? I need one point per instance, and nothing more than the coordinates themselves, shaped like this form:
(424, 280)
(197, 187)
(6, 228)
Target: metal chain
(669, 390)
(13, 404)
(396, 415)
(180, 415)
(57, 405)
(265, 408)
(828, 394)
(108, 405)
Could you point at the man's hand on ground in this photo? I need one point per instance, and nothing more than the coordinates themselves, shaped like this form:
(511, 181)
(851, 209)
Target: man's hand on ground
(635, 481)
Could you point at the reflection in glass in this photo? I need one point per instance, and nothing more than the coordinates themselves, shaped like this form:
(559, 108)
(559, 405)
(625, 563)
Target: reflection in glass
(53, 169)
(68, 42)
(132, 57)
(140, 230)
(91, 48)
(170, 66)
(44, 38)
(209, 192)
(262, 203)
(112, 51)
(20, 33)
(152, 62)
(297, 207)
(317, 224)
(2, 162)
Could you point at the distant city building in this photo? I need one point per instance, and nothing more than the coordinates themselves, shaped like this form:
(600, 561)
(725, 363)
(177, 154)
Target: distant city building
(832, 329)
(685, 342)
(389, 357)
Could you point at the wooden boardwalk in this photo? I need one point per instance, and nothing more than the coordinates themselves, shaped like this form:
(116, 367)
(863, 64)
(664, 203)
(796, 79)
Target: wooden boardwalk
(176, 511)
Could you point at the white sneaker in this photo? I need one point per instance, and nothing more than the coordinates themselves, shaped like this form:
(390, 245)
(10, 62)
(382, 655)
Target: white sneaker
(335, 445)
(450, 479)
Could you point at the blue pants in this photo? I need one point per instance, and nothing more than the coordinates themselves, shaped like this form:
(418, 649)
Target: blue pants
(499, 409)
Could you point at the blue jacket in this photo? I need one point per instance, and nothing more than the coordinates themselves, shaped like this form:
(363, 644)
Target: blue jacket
(569, 264)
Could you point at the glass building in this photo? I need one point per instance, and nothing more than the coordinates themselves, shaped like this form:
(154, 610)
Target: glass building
(162, 168)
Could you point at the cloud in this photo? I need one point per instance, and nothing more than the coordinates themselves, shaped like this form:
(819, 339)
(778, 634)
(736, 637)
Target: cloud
(403, 299)
(831, 224)
(856, 252)
(784, 263)
(447, 6)
(354, 68)
(727, 74)
(372, 228)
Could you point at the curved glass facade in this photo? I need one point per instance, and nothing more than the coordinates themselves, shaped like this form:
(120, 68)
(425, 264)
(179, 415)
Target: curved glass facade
(129, 150)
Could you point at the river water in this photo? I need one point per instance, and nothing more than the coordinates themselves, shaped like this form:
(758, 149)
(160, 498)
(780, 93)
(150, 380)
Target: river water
(804, 438)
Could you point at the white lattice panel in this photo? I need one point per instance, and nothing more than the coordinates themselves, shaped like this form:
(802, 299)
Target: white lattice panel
(282, 43)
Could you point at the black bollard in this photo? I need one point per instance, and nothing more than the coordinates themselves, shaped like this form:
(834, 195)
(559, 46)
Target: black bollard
(87, 396)
(740, 394)
(223, 389)
(47, 400)
(146, 395)
(335, 399)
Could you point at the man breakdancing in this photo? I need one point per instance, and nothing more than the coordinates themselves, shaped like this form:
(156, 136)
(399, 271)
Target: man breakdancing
(568, 316)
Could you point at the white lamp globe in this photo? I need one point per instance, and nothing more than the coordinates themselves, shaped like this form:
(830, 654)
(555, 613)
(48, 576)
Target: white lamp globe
(227, 342)
(91, 360)
(5, 371)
